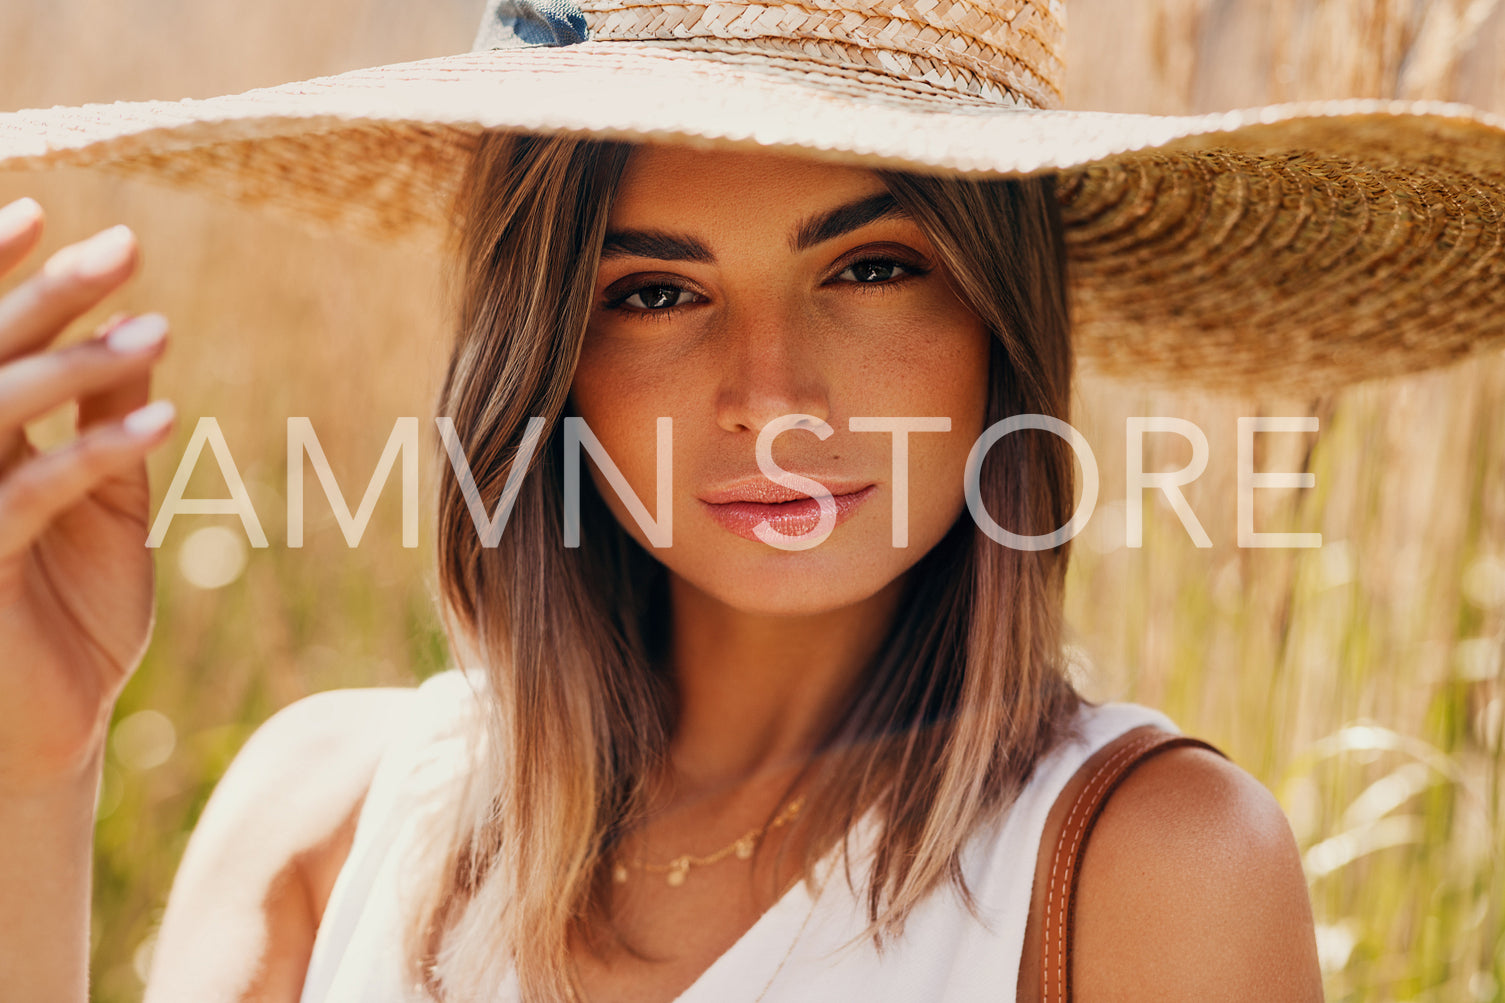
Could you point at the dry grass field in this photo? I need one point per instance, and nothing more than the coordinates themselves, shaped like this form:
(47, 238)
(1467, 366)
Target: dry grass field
(1361, 681)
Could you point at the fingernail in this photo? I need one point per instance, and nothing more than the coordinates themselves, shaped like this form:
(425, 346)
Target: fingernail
(138, 333)
(18, 216)
(148, 419)
(100, 254)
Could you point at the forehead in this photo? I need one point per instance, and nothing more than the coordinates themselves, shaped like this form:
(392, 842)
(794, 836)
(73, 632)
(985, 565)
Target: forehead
(663, 182)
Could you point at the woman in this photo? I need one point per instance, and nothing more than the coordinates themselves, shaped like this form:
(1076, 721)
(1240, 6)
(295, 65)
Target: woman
(664, 739)
(756, 667)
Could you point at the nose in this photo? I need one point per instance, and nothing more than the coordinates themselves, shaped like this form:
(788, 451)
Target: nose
(771, 366)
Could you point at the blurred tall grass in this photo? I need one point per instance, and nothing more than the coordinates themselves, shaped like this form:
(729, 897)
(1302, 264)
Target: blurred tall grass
(1362, 681)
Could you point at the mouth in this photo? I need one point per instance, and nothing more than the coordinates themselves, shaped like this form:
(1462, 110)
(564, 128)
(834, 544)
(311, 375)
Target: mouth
(789, 512)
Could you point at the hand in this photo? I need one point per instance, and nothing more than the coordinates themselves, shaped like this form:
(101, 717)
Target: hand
(77, 587)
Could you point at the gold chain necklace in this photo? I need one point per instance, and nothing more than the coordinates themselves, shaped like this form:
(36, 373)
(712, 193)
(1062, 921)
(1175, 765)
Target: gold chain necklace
(677, 870)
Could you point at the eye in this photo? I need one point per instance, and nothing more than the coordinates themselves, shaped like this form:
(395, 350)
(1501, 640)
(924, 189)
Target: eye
(656, 299)
(878, 271)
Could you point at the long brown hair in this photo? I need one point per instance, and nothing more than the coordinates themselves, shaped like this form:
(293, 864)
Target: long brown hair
(969, 688)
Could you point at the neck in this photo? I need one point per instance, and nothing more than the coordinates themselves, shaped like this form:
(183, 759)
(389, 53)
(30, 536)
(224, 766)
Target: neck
(757, 692)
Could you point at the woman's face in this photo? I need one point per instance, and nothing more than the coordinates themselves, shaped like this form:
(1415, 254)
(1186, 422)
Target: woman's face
(737, 288)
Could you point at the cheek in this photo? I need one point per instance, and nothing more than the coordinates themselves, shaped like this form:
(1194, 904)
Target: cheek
(924, 346)
(931, 361)
(621, 392)
(958, 388)
(635, 373)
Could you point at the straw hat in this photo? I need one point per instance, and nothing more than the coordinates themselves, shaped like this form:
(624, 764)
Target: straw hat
(1298, 247)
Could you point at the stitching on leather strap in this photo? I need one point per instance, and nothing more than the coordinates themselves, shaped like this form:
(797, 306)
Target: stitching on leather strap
(1070, 845)
(1066, 850)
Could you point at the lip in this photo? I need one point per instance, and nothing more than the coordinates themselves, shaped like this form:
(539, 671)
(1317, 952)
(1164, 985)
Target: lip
(740, 508)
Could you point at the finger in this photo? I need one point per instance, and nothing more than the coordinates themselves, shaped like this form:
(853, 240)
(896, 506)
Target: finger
(13, 443)
(16, 449)
(115, 401)
(127, 489)
(74, 279)
(51, 482)
(20, 229)
(35, 384)
(141, 342)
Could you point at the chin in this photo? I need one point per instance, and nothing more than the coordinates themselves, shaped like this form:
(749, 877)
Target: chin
(792, 595)
(762, 580)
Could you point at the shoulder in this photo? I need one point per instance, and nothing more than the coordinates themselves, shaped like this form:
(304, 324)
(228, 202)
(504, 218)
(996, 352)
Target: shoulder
(259, 864)
(326, 722)
(1192, 887)
(305, 758)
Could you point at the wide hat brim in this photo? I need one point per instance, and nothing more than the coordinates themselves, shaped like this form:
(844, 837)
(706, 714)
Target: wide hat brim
(1293, 248)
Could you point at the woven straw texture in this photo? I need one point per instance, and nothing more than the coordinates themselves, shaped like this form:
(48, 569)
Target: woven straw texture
(1005, 52)
(1306, 245)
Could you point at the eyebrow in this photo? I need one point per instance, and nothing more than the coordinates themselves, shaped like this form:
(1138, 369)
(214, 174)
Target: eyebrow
(663, 245)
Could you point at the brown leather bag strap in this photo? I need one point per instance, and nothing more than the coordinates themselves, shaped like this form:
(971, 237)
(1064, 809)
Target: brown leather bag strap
(1122, 755)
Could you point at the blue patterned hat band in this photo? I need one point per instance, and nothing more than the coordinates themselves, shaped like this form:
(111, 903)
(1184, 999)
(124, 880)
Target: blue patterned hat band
(510, 24)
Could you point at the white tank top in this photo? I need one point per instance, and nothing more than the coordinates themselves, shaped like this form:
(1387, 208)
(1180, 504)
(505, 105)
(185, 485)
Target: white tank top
(796, 952)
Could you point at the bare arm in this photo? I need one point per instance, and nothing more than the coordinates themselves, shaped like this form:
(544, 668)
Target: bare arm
(76, 586)
(255, 877)
(46, 843)
(76, 610)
